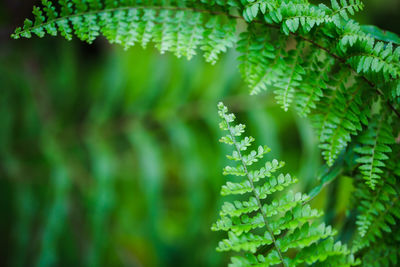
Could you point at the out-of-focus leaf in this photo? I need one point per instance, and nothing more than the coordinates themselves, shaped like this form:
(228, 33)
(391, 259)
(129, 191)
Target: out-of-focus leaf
(380, 34)
(327, 176)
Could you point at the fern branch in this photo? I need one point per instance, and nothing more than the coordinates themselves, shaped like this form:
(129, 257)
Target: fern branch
(370, 173)
(382, 217)
(376, 142)
(287, 222)
(254, 192)
(304, 13)
(123, 8)
(286, 93)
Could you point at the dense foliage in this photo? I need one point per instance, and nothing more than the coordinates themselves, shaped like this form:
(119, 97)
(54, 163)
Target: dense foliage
(315, 59)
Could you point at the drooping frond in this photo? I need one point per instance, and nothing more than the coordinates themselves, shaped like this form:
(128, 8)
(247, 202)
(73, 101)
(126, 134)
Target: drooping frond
(180, 29)
(375, 144)
(379, 209)
(339, 115)
(314, 83)
(289, 78)
(253, 222)
(294, 48)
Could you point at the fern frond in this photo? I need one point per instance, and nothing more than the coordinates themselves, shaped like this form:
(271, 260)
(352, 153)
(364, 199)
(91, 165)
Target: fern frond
(290, 77)
(379, 211)
(345, 119)
(180, 29)
(375, 144)
(285, 224)
(312, 90)
(261, 59)
(339, 115)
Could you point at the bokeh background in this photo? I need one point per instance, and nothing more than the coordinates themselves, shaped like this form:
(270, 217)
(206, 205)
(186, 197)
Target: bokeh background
(111, 157)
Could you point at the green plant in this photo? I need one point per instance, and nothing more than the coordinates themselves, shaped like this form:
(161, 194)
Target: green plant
(267, 231)
(316, 60)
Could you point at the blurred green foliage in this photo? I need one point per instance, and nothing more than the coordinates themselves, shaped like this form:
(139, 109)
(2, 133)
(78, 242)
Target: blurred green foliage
(110, 158)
